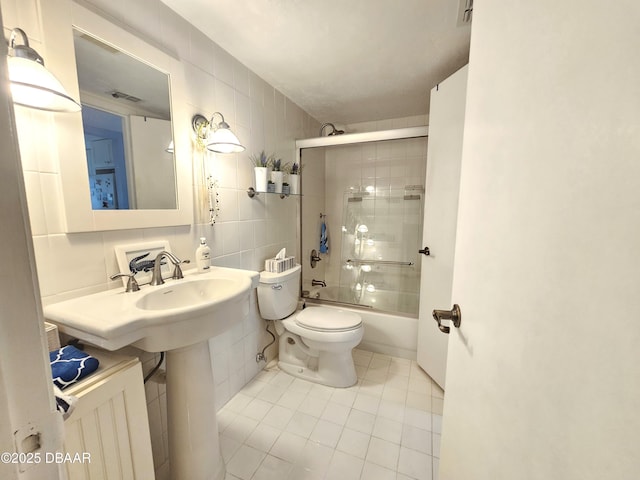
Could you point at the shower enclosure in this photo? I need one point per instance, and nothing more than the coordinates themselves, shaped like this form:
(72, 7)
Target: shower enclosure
(368, 190)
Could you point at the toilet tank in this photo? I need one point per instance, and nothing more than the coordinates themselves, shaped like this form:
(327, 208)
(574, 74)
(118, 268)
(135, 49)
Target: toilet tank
(278, 293)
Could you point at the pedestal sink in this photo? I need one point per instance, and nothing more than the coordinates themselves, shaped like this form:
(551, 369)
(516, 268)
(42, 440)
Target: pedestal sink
(178, 317)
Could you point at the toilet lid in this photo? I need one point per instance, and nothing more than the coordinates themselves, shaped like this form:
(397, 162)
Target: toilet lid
(328, 319)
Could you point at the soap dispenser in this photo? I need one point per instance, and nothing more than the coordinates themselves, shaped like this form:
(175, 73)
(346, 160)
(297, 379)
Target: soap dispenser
(203, 256)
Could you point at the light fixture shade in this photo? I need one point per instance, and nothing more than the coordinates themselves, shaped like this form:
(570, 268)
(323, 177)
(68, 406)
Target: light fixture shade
(223, 140)
(32, 85)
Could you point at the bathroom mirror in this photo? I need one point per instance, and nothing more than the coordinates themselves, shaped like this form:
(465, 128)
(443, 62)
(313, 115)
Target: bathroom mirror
(74, 170)
(126, 119)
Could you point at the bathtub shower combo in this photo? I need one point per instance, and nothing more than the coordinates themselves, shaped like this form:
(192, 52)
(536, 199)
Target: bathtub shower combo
(371, 200)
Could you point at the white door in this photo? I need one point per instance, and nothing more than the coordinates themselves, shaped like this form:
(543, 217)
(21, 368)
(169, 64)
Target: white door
(446, 126)
(543, 375)
(30, 427)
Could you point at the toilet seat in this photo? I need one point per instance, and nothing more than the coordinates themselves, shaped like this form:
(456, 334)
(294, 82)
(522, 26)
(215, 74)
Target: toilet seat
(323, 319)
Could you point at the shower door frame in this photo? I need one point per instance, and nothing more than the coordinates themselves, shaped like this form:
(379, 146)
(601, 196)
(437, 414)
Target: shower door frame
(365, 137)
(350, 139)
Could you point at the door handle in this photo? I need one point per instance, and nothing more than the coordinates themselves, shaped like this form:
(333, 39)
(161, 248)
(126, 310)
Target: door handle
(425, 251)
(455, 315)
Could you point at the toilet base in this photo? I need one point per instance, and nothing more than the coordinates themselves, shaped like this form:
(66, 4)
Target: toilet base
(334, 369)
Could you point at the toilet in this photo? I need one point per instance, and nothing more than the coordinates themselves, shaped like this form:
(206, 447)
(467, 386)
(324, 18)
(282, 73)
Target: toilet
(315, 342)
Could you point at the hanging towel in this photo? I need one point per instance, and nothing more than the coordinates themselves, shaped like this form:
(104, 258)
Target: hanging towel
(324, 240)
(69, 365)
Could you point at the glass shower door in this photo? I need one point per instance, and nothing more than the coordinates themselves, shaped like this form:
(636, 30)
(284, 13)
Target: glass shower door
(381, 236)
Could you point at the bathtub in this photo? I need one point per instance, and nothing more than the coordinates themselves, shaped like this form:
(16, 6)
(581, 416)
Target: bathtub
(392, 334)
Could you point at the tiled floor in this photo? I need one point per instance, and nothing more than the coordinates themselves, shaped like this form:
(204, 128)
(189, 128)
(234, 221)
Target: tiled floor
(387, 427)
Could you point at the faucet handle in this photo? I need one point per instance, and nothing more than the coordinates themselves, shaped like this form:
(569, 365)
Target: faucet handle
(132, 284)
(177, 269)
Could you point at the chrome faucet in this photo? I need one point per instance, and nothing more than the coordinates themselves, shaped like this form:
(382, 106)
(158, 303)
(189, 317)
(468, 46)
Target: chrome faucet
(156, 279)
(318, 283)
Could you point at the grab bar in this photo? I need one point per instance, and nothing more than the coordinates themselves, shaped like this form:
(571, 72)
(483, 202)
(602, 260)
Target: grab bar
(378, 262)
(335, 302)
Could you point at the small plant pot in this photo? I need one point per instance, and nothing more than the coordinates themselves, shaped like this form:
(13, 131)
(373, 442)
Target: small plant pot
(271, 188)
(294, 183)
(285, 189)
(262, 175)
(277, 178)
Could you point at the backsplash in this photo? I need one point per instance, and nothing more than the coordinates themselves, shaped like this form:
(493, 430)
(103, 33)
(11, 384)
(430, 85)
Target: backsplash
(246, 232)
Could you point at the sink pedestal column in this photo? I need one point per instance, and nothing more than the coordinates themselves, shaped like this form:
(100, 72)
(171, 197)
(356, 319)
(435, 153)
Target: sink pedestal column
(194, 446)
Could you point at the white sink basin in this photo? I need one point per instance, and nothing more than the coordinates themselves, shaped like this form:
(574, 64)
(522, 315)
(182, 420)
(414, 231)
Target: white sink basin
(159, 318)
(194, 293)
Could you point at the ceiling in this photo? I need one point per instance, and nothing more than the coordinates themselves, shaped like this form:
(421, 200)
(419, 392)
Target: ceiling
(342, 61)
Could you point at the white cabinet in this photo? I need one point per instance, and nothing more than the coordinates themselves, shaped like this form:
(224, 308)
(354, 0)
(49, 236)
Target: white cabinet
(110, 423)
(102, 154)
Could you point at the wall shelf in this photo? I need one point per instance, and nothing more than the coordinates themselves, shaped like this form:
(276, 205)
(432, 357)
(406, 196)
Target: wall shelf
(252, 192)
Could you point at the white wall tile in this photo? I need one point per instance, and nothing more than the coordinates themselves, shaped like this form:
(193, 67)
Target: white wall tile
(144, 17)
(17, 13)
(246, 235)
(225, 102)
(76, 261)
(243, 110)
(223, 65)
(228, 206)
(230, 237)
(256, 88)
(224, 168)
(201, 89)
(53, 202)
(35, 204)
(241, 78)
(201, 52)
(245, 210)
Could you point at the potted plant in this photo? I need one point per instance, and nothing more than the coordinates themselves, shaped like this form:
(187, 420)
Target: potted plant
(294, 178)
(262, 166)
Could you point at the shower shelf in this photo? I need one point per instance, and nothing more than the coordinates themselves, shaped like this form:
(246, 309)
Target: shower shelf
(252, 192)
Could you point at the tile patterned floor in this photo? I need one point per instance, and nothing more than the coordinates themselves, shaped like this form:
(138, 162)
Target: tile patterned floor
(386, 427)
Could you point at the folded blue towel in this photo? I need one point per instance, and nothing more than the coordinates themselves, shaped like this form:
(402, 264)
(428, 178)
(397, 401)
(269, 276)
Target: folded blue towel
(69, 365)
(324, 240)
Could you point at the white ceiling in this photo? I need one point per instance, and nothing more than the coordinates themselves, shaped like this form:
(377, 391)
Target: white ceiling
(342, 61)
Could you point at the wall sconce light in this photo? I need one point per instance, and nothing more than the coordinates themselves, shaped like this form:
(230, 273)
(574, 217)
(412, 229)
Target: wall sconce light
(32, 85)
(217, 137)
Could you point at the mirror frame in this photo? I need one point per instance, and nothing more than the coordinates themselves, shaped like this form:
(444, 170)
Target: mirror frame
(58, 25)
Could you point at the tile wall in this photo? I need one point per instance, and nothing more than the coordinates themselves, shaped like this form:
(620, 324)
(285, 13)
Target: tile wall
(247, 231)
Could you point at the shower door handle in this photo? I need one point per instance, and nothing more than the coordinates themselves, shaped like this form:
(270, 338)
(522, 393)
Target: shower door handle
(425, 251)
(455, 315)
